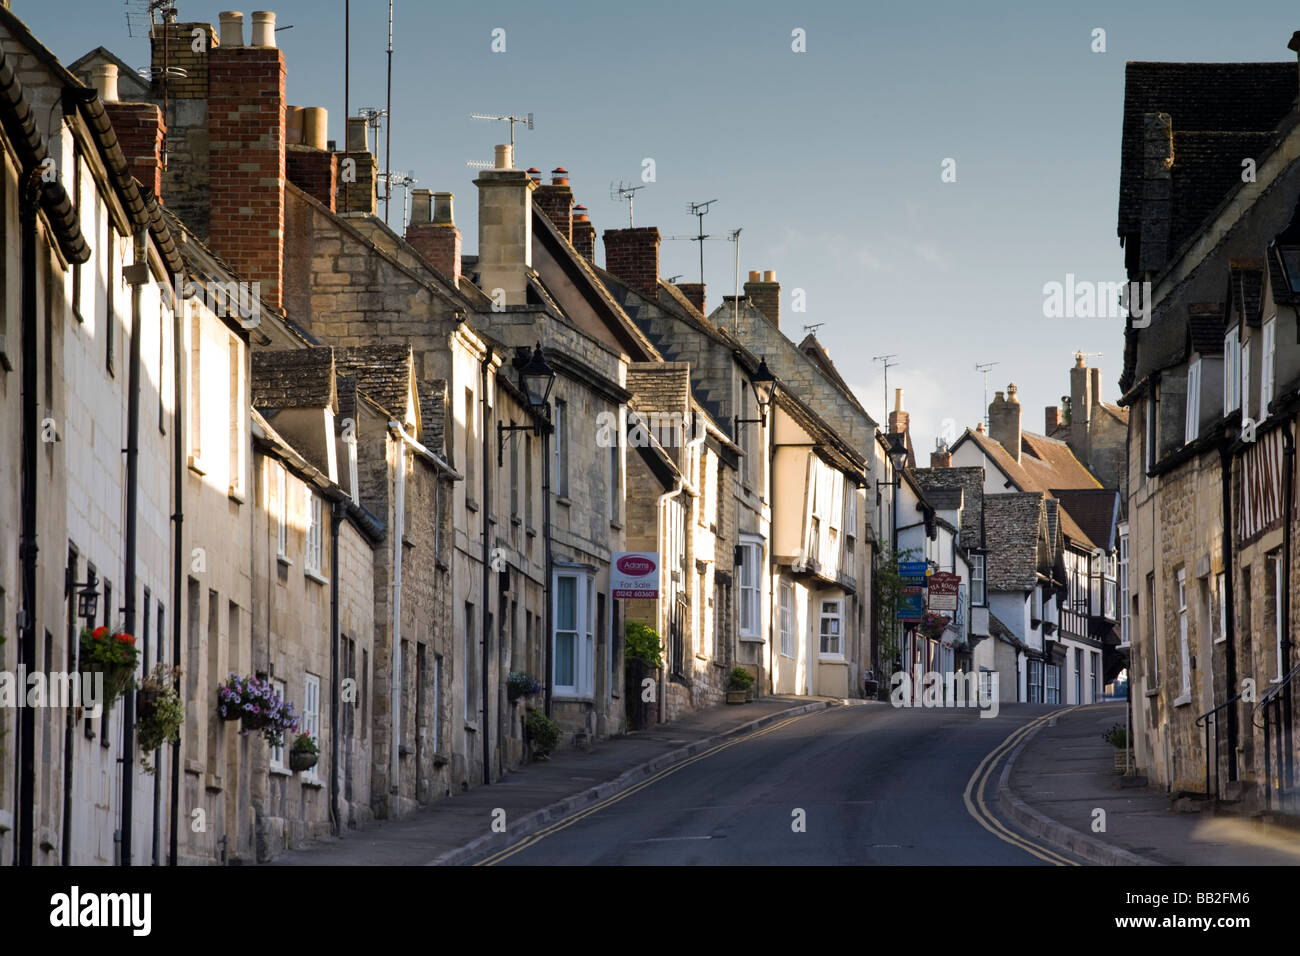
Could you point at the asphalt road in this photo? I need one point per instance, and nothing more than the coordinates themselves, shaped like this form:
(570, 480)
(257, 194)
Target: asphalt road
(875, 784)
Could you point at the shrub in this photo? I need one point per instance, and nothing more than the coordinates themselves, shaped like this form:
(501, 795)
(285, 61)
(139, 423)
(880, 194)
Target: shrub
(740, 679)
(543, 733)
(643, 644)
(1117, 737)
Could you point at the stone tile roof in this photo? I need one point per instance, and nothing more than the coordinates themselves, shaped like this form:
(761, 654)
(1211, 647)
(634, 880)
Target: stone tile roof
(1245, 289)
(1045, 463)
(659, 386)
(1207, 166)
(812, 348)
(1205, 329)
(1014, 528)
(384, 372)
(294, 378)
(1199, 97)
(347, 391)
(433, 415)
(1094, 511)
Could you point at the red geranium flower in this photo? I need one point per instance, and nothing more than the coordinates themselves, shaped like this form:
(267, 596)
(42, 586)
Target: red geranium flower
(99, 632)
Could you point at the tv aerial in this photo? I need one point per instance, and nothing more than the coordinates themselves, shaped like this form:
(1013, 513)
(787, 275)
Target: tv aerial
(526, 119)
(624, 191)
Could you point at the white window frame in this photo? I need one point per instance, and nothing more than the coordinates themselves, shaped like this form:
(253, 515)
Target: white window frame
(749, 608)
(314, 539)
(310, 723)
(978, 589)
(1184, 652)
(281, 511)
(1268, 355)
(787, 619)
(1125, 623)
(1192, 426)
(1232, 371)
(584, 650)
(1150, 444)
(836, 617)
(1245, 380)
(561, 428)
(1219, 596)
(277, 753)
(1275, 559)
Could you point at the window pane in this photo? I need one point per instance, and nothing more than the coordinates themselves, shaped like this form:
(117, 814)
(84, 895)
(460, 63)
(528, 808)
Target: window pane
(566, 604)
(564, 663)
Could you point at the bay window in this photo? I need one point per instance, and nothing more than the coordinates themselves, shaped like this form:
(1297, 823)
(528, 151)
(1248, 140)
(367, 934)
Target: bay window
(574, 646)
(751, 587)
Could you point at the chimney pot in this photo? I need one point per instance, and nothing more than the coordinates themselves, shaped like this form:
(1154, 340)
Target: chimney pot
(442, 209)
(315, 127)
(769, 275)
(358, 140)
(421, 206)
(505, 156)
(293, 125)
(580, 212)
(559, 176)
(263, 29)
(755, 276)
(232, 28)
(104, 78)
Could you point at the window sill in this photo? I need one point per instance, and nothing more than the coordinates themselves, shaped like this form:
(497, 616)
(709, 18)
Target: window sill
(562, 500)
(1217, 640)
(315, 576)
(472, 728)
(280, 772)
(573, 698)
(235, 495)
(313, 783)
(514, 521)
(195, 465)
(284, 560)
(752, 639)
(1183, 701)
(832, 659)
(1154, 691)
(471, 504)
(788, 657)
(616, 525)
(531, 532)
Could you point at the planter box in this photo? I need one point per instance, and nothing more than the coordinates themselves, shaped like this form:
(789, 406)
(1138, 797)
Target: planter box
(737, 696)
(300, 760)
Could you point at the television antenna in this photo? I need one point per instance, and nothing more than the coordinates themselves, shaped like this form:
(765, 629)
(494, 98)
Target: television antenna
(404, 182)
(478, 164)
(887, 365)
(984, 368)
(140, 15)
(735, 296)
(624, 191)
(814, 327)
(1080, 355)
(512, 120)
(699, 210)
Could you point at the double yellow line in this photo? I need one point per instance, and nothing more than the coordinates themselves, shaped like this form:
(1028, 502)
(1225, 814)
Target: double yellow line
(569, 821)
(980, 778)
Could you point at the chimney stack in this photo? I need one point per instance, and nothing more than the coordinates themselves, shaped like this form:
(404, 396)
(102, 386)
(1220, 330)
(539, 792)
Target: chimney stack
(556, 201)
(1081, 402)
(764, 292)
(899, 421)
(358, 171)
(140, 133)
(1005, 421)
(433, 233)
(505, 229)
(246, 151)
(584, 234)
(695, 292)
(633, 256)
(1053, 420)
(941, 457)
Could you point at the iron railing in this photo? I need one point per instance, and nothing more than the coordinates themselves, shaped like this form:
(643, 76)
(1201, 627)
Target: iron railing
(1279, 763)
(1208, 720)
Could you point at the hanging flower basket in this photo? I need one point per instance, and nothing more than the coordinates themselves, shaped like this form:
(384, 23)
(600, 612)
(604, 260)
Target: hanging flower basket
(112, 654)
(519, 684)
(933, 625)
(160, 712)
(254, 702)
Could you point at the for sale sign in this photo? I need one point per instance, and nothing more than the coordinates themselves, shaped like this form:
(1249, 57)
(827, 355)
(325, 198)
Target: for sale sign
(635, 574)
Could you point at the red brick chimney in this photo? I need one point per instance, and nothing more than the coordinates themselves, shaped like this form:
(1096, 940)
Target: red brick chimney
(1053, 420)
(584, 234)
(633, 256)
(941, 457)
(246, 142)
(764, 292)
(433, 233)
(695, 292)
(139, 128)
(556, 201)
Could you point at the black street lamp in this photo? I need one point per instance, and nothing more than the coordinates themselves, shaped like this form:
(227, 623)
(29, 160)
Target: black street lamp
(763, 383)
(87, 595)
(536, 378)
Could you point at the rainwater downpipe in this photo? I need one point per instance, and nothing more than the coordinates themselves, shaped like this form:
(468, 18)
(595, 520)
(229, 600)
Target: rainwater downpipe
(486, 614)
(395, 695)
(336, 520)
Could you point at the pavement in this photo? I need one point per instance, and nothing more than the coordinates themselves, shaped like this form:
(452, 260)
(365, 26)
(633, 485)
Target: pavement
(459, 829)
(1060, 775)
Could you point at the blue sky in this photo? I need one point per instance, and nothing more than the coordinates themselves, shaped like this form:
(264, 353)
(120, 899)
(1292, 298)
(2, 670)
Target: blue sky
(829, 160)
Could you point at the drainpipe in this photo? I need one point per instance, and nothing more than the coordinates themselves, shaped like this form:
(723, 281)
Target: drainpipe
(395, 690)
(1230, 644)
(178, 521)
(1288, 493)
(546, 546)
(336, 519)
(486, 614)
(26, 791)
(140, 274)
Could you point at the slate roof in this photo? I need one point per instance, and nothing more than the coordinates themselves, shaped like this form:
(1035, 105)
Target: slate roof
(1044, 462)
(1205, 329)
(1200, 98)
(1013, 526)
(944, 499)
(659, 386)
(1095, 512)
(822, 359)
(1207, 166)
(383, 372)
(433, 415)
(294, 378)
